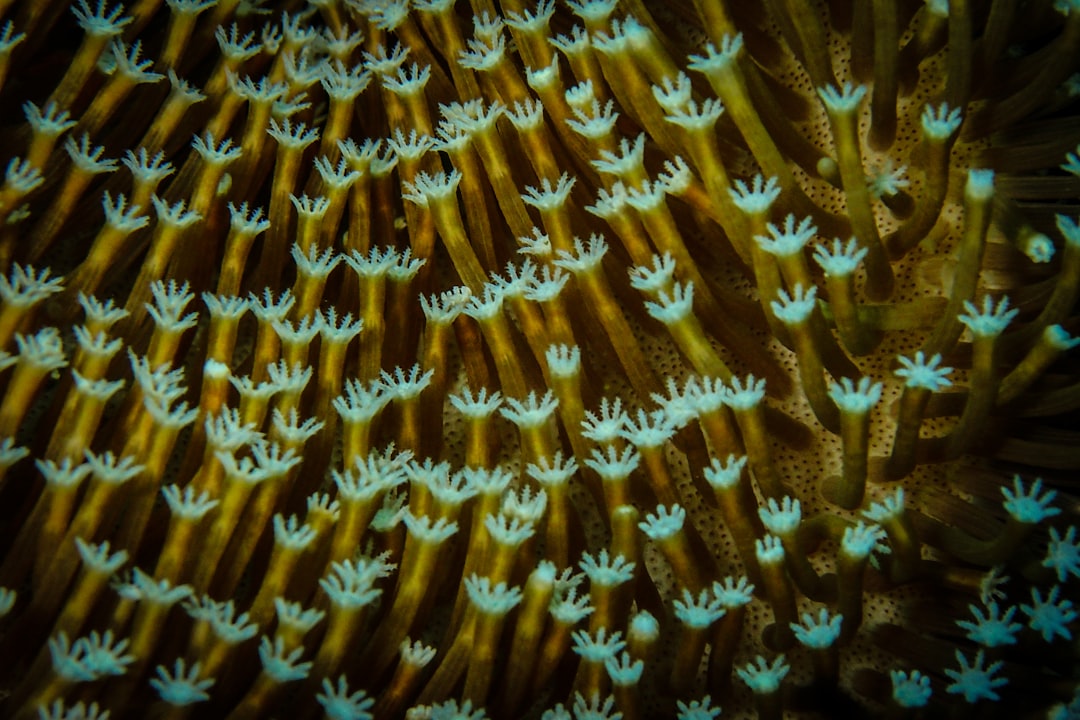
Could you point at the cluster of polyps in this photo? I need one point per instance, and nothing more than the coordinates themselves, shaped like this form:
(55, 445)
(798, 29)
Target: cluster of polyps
(422, 442)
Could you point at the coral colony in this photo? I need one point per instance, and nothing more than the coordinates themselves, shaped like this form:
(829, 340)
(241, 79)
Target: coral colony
(558, 359)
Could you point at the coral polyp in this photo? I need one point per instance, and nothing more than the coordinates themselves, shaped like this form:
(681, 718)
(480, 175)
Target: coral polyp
(439, 359)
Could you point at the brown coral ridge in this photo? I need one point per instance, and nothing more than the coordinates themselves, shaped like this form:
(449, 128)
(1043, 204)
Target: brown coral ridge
(596, 360)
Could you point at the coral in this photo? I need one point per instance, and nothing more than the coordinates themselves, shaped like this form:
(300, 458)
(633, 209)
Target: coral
(593, 359)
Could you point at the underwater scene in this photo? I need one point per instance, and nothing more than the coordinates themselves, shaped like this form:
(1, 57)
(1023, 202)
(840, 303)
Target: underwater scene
(545, 359)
